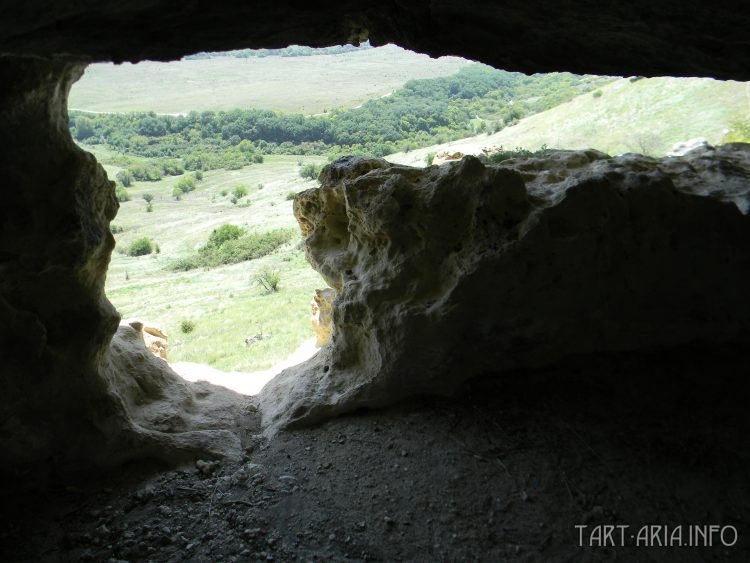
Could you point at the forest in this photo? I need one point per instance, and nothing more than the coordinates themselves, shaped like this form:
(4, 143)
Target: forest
(476, 99)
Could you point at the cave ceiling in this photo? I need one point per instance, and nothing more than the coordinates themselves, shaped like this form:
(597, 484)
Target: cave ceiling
(649, 38)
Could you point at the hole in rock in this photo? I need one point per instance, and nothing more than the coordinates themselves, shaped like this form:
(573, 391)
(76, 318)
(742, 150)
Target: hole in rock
(208, 153)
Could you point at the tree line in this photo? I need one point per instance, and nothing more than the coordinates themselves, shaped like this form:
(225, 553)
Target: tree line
(476, 99)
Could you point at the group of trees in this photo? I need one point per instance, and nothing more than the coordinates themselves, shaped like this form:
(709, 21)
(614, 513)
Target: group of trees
(477, 98)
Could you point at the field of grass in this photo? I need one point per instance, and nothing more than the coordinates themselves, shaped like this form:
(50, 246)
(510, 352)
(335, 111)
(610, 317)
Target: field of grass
(647, 116)
(307, 85)
(225, 304)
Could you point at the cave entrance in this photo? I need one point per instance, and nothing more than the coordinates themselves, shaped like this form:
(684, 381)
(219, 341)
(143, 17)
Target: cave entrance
(208, 154)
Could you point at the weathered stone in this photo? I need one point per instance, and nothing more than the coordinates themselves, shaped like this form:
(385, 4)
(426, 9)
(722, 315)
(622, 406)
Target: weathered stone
(154, 338)
(321, 315)
(69, 390)
(449, 272)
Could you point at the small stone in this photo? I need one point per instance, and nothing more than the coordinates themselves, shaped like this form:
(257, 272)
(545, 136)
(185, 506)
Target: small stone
(206, 467)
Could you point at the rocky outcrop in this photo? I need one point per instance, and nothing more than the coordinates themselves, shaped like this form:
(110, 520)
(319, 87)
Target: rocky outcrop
(154, 338)
(322, 322)
(449, 272)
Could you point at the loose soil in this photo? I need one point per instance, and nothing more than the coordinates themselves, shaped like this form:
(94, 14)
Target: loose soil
(503, 471)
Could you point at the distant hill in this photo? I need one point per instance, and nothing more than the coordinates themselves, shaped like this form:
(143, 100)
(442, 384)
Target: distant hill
(628, 115)
(299, 84)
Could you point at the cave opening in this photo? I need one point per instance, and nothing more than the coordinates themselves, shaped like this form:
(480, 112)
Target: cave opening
(637, 266)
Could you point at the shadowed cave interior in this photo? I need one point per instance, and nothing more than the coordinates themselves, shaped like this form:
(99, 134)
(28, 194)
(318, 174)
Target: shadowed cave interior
(517, 349)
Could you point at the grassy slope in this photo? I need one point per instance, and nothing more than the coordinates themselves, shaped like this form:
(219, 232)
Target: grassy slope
(295, 84)
(225, 303)
(649, 115)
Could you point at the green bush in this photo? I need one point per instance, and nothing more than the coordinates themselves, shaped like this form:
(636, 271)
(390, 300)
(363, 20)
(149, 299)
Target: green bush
(231, 251)
(141, 247)
(429, 158)
(268, 279)
(239, 191)
(148, 198)
(198, 175)
(115, 229)
(224, 233)
(187, 326)
(597, 94)
(185, 184)
(310, 171)
(122, 194)
(291, 195)
(177, 193)
(223, 193)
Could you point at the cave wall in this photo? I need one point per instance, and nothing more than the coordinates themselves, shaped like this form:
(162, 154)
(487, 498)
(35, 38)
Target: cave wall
(73, 387)
(76, 388)
(450, 272)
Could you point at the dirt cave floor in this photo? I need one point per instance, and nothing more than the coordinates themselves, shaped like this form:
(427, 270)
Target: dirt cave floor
(503, 471)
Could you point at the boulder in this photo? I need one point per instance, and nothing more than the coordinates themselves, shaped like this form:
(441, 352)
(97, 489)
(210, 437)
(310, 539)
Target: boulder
(154, 338)
(445, 273)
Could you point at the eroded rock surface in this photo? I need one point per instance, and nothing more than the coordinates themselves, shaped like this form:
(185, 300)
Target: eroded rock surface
(322, 322)
(69, 392)
(153, 337)
(449, 272)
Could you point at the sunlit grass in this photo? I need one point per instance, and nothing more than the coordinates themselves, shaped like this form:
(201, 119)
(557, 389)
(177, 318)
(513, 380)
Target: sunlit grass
(225, 304)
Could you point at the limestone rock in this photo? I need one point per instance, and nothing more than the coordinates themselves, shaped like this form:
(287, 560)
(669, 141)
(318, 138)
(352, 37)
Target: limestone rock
(72, 390)
(166, 416)
(154, 338)
(445, 156)
(449, 272)
(321, 315)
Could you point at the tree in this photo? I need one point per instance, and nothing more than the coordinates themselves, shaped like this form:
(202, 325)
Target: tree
(239, 191)
(125, 178)
(147, 197)
(84, 127)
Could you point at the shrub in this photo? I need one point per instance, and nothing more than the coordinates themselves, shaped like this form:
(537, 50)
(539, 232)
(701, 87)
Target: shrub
(239, 191)
(122, 195)
(187, 326)
(233, 250)
(429, 158)
(310, 171)
(148, 198)
(597, 94)
(149, 207)
(185, 184)
(177, 193)
(198, 175)
(141, 247)
(224, 233)
(223, 193)
(291, 195)
(125, 178)
(115, 229)
(268, 279)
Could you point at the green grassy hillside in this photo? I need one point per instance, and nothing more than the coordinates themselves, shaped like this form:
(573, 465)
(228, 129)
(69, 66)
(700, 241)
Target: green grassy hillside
(225, 304)
(646, 116)
(306, 85)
